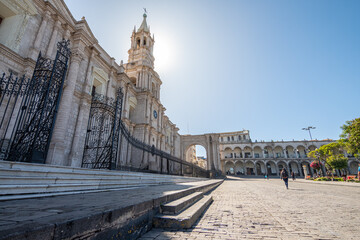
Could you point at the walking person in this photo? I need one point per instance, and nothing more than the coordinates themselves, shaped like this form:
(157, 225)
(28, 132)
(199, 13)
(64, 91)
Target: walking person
(293, 176)
(359, 172)
(285, 177)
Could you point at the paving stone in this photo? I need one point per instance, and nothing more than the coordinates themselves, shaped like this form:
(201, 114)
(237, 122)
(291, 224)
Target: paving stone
(258, 209)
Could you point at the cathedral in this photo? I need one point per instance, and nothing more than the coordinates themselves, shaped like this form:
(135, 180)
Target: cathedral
(30, 27)
(102, 104)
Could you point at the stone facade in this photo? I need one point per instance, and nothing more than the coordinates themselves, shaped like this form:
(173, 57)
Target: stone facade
(240, 155)
(30, 27)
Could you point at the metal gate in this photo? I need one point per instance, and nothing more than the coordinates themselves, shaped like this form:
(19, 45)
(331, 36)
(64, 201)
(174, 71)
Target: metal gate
(28, 108)
(102, 138)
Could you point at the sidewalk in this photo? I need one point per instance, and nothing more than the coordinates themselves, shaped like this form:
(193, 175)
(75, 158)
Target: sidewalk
(348, 184)
(112, 214)
(301, 180)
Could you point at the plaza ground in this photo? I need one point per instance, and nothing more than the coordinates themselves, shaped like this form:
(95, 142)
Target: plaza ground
(254, 208)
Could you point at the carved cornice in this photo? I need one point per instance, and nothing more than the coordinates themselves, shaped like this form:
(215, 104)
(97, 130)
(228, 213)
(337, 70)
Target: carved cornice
(24, 62)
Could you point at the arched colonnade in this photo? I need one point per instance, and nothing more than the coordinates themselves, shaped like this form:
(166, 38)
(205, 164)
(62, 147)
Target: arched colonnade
(268, 167)
(260, 151)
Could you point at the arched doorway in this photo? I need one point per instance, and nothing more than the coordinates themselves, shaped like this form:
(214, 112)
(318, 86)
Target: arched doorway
(271, 168)
(281, 166)
(294, 168)
(239, 168)
(306, 166)
(250, 168)
(210, 143)
(260, 168)
(197, 155)
(229, 168)
(353, 167)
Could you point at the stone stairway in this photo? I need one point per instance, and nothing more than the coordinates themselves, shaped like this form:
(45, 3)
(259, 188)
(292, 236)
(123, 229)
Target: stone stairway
(183, 212)
(28, 180)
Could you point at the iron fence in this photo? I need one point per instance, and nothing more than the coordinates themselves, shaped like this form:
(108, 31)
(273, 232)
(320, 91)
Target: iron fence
(28, 108)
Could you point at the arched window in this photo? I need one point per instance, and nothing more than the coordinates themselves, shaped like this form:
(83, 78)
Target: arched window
(144, 43)
(138, 43)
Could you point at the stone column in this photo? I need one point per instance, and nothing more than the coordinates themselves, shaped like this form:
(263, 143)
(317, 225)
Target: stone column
(53, 38)
(67, 33)
(299, 168)
(305, 171)
(285, 155)
(288, 167)
(75, 156)
(255, 169)
(39, 36)
(58, 143)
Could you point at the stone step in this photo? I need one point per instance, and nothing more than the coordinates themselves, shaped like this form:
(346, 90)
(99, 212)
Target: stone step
(84, 175)
(178, 205)
(49, 188)
(185, 219)
(27, 169)
(20, 180)
(53, 194)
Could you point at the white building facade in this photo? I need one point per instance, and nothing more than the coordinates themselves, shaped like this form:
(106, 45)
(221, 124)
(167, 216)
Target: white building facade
(239, 155)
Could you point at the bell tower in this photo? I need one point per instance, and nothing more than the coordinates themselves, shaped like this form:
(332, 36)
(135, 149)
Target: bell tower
(142, 44)
(140, 66)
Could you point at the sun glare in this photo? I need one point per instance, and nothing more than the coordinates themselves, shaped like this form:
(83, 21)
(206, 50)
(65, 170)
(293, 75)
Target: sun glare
(164, 53)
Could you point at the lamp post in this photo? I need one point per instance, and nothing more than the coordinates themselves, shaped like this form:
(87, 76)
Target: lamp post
(308, 129)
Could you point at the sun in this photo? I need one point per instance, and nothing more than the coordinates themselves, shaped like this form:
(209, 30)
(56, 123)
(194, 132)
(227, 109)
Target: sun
(164, 52)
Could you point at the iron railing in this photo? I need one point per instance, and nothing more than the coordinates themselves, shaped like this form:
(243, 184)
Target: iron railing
(165, 159)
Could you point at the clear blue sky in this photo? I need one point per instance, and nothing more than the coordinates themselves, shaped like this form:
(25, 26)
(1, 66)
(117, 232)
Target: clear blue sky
(272, 67)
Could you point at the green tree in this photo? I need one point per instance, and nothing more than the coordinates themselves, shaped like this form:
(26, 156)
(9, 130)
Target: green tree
(337, 162)
(351, 136)
(332, 155)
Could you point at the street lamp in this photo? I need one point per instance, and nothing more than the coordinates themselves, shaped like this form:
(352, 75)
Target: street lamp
(308, 129)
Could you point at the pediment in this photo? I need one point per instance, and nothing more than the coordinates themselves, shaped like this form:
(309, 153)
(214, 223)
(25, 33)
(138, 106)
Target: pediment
(63, 10)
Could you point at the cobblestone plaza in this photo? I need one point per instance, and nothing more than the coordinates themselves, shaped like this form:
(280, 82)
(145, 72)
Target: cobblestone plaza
(249, 208)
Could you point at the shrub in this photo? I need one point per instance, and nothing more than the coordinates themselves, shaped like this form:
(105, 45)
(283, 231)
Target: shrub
(353, 180)
(339, 179)
(323, 179)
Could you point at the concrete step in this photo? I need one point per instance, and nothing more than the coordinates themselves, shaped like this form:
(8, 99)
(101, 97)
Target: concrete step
(185, 219)
(178, 205)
